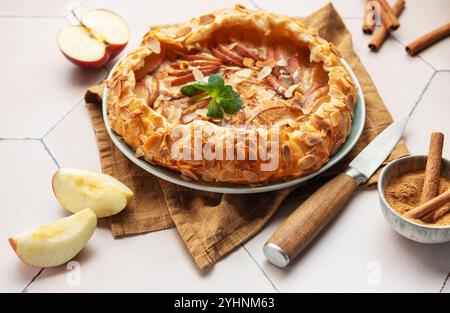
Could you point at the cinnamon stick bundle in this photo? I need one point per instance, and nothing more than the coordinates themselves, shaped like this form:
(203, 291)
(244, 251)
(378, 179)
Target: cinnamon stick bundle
(368, 21)
(429, 206)
(382, 32)
(430, 199)
(433, 167)
(388, 16)
(428, 39)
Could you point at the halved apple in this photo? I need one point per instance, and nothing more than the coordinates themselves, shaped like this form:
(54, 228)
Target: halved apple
(56, 243)
(78, 189)
(101, 36)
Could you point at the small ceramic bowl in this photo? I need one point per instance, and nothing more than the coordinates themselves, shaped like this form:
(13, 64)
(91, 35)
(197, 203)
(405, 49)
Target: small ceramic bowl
(404, 226)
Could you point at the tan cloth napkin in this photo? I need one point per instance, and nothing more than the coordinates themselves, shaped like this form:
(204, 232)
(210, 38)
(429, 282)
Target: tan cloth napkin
(211, 224)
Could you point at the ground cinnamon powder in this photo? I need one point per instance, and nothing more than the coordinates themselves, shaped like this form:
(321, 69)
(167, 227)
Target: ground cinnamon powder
(404, 192)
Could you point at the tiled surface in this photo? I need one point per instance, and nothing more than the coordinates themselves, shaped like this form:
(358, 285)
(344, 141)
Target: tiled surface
(27, 201)
(47, 8)
(156, 262)
(415, 23)
(38, 84)
(434, 107)
(71, 134)
(358, 252)
(399, 78)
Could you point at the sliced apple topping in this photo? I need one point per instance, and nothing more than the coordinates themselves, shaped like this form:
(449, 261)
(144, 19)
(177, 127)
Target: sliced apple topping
(78, 189)
(56, 243)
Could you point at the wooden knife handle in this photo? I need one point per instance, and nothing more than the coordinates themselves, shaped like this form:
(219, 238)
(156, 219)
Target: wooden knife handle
(303, 225)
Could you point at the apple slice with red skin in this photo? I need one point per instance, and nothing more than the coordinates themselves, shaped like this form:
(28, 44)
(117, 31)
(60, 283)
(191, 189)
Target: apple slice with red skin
(101, 36)
(56, 243)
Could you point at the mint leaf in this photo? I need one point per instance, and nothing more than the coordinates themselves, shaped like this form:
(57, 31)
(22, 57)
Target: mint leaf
(223, 97)
(194, 88)
(215, 83)
(230, 100)
(214, 109)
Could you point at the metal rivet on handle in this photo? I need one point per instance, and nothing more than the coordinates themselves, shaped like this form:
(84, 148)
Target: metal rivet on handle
(275, 255)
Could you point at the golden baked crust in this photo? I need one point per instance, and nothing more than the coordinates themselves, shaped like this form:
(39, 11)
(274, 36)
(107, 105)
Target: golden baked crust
(298, 99)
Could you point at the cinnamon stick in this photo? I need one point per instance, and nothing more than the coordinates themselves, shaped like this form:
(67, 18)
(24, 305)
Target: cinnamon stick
(434, 216)
(368, 22)
(382, 32)
(433, 168)
(429, 206)
(428, 39)
(388, 16)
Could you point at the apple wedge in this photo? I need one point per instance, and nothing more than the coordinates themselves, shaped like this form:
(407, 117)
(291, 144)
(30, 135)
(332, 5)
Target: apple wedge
(78, 189)
(56, 243)
(101, 36)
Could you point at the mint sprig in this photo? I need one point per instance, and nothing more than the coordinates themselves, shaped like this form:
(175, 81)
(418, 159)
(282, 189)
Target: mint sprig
(223, 97)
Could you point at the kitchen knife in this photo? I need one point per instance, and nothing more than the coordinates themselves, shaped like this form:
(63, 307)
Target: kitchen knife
(303, 225)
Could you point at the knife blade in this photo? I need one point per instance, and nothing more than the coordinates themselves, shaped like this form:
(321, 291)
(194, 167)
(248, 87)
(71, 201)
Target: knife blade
(306, 222)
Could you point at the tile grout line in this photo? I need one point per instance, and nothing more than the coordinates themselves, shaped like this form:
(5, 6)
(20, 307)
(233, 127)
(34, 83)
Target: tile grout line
(61, 119)
(72, 108)
(261, 269)
(418, 55)
(445, 283)
(25, 290)
(424, 90)
(20, 138)
(50, 153)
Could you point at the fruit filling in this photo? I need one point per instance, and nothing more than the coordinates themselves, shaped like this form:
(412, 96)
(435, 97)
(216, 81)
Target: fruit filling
(276, 81)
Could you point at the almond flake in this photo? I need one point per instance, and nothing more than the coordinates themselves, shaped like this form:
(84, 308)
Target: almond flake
(174, 114)
(198, 75)
(154, 45)
(265, 94)
(282, 62)
(232, 45)
(265, 71)
(206, 19)
(248, 93)
(189, 117)
(245, 73)
(183, 31)
(289, 92)
(202, 112)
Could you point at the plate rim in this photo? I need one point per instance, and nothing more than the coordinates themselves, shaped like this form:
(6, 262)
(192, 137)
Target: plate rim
(158, 170)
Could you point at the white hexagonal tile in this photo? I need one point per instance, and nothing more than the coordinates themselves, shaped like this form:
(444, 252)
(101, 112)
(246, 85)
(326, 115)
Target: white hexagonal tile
(140, 15)
(38, 85)
(154, 262)
(421, 17)
(399, 79)
(346, 8)
(34, 8)
(431, 115)
(72, 141)
(27, 202)
(358, 252)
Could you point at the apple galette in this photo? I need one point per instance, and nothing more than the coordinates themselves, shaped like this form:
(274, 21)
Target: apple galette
(239, 96)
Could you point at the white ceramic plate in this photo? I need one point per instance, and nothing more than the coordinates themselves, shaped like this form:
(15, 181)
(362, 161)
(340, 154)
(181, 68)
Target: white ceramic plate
(174, 177)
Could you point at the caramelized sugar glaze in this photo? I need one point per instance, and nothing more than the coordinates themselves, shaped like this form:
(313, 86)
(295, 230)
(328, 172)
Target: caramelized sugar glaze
(297, 98)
